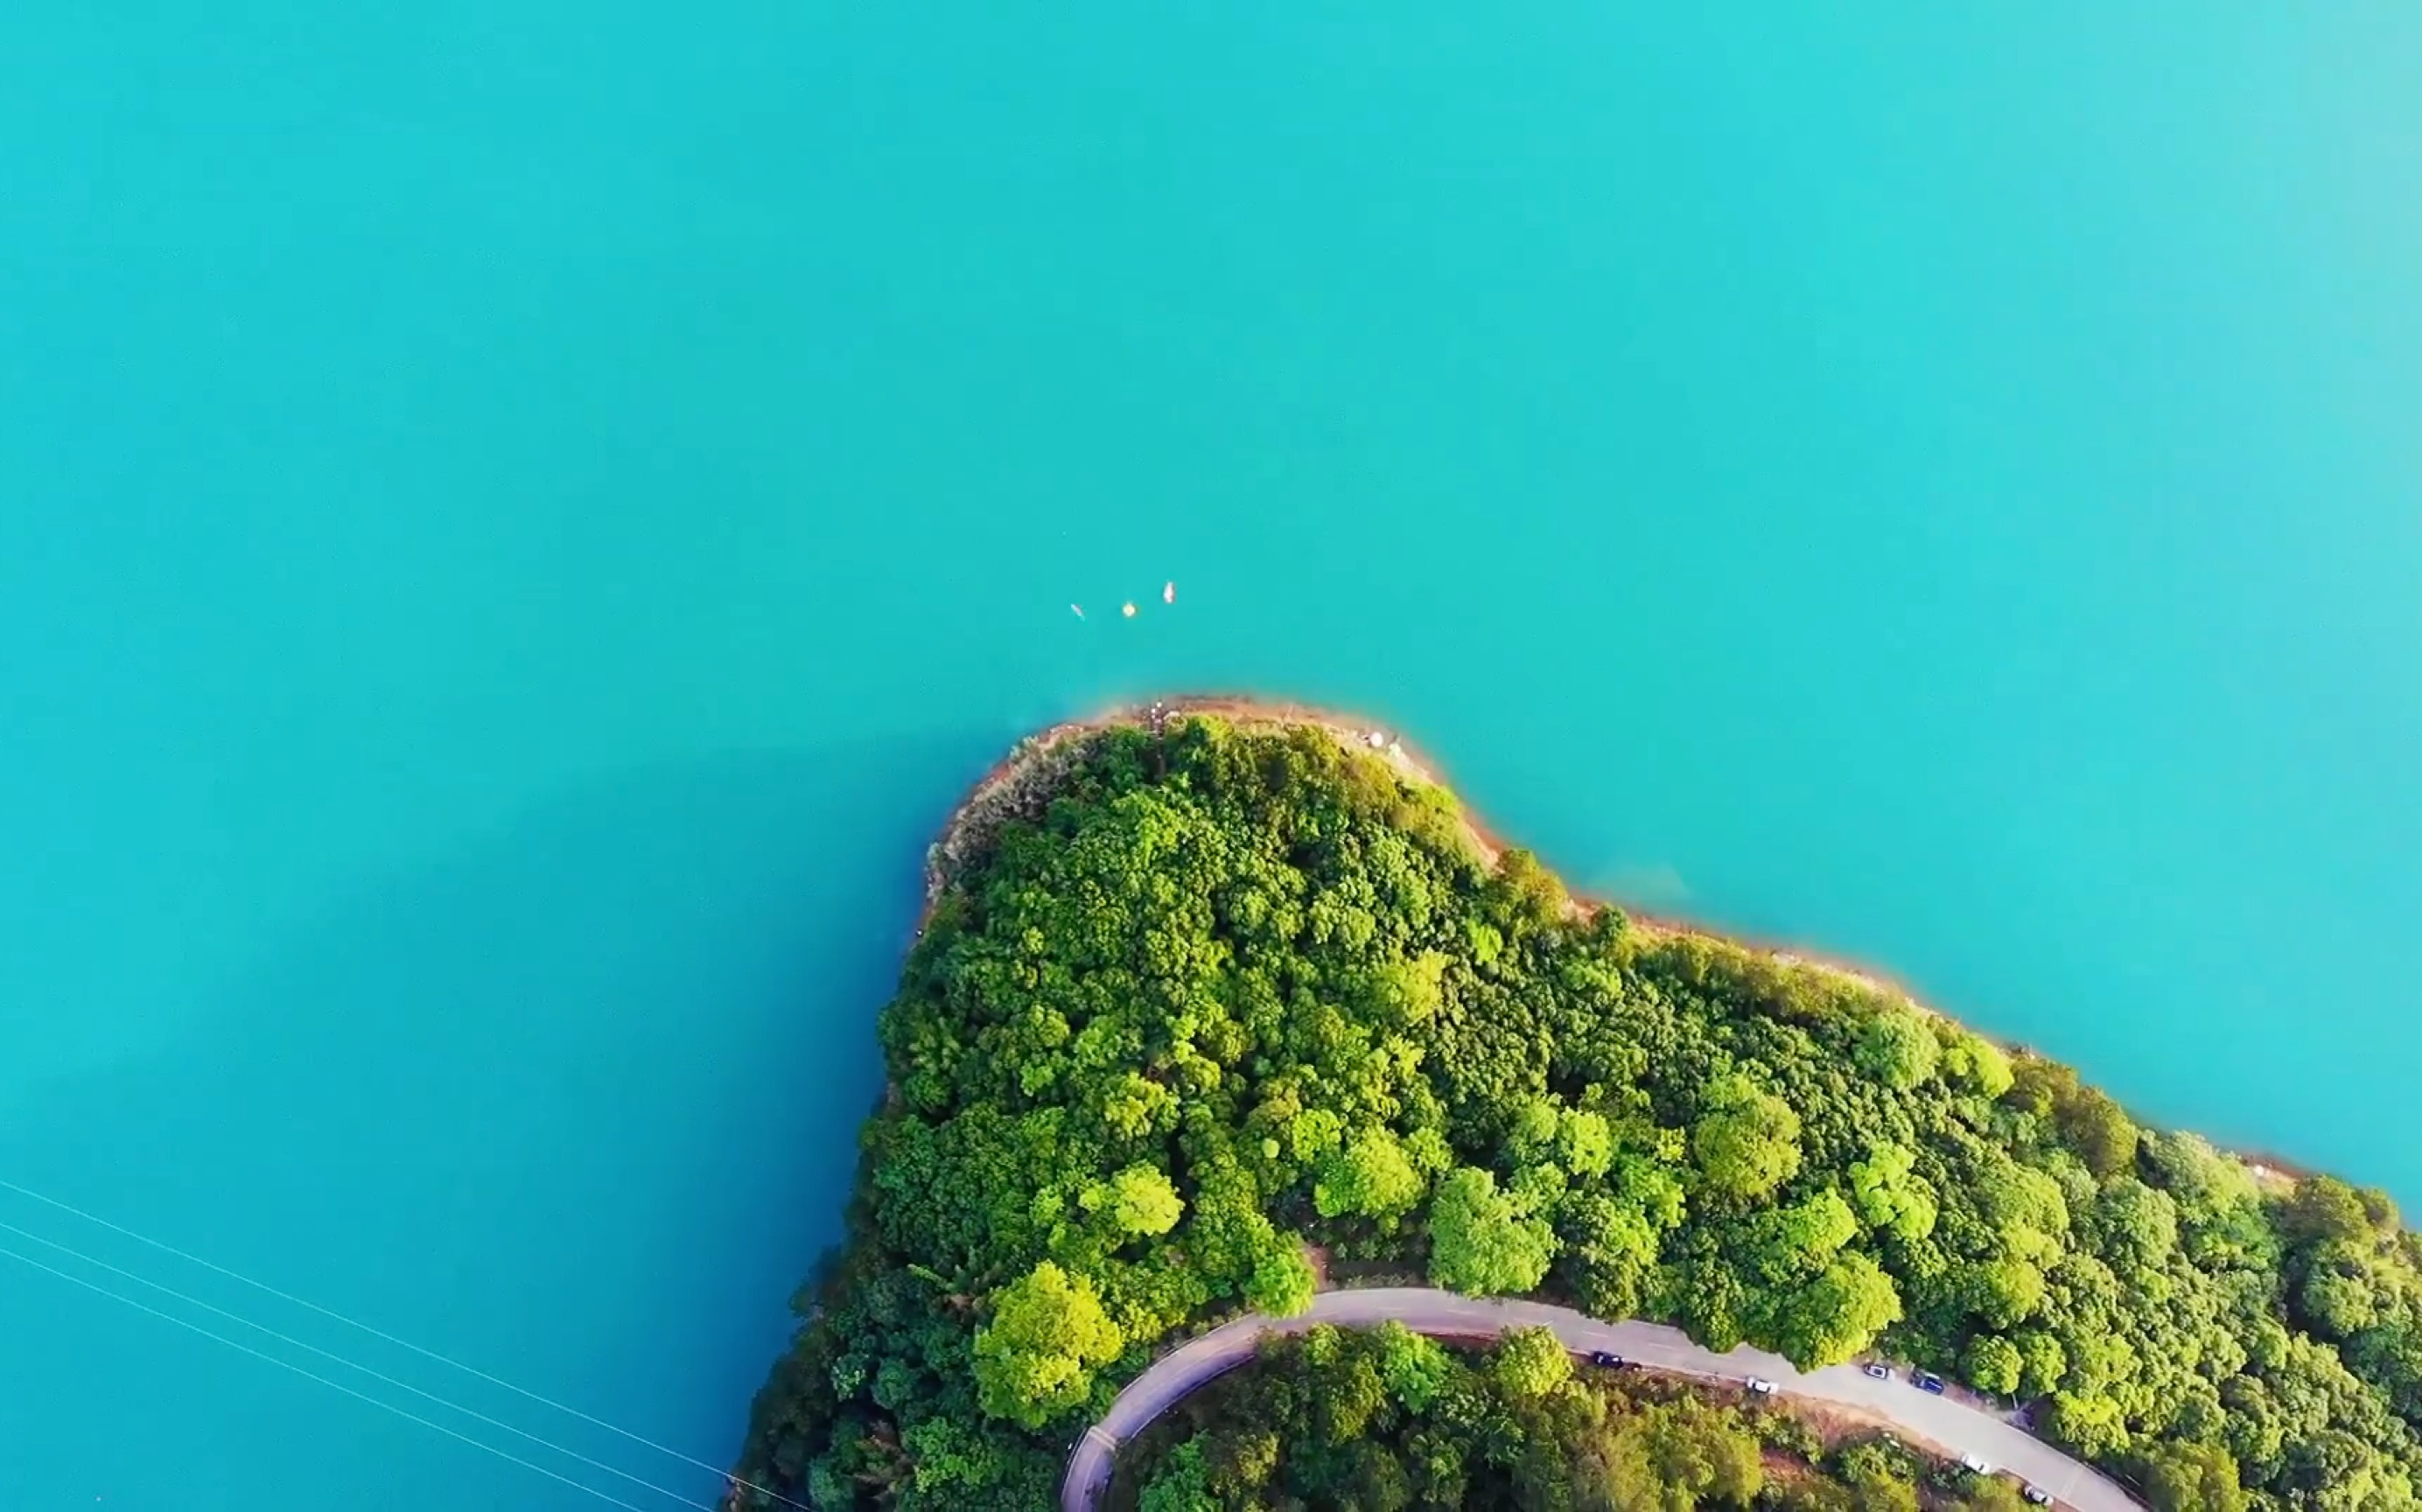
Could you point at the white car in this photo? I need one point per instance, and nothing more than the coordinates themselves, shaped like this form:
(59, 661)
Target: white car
(1974, 1465)
(1762, 1387)
(1880, 1372)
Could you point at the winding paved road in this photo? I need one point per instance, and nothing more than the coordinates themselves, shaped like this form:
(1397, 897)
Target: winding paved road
(1935, 1421)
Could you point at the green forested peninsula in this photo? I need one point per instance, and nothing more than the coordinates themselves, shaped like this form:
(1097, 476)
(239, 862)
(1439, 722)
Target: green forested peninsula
(1202, 1009)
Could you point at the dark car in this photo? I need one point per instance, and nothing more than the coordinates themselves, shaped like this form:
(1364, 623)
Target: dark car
(1609, 1361)
(1929, 1381)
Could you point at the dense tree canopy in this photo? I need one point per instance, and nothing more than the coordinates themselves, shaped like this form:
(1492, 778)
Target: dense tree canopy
(1223, 1003)
(1046, 1332)
(1323, 1420)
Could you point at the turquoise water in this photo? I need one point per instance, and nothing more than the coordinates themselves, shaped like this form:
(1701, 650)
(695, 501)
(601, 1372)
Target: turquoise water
(520, 518)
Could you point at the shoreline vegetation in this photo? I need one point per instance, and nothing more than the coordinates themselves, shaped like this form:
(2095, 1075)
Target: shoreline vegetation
(1021, 781)
(1217, 1002)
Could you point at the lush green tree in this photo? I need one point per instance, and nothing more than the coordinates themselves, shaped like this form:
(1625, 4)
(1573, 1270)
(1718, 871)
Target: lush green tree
(1479, 1243)
(2322, 1208)
(2101, 1132)
(2026, 1205)
(953, 1460)
(1371, 1177)
(2138, 1226)
(2192, 1478)
(1747, 1142)
(2093, 1424)
(1182, 1484)
(1049, 1333)
(1351, 1390)
(1835, 1316)
(1994, 1366)
(1530, 1363)
(1679, 1456)
(1610, 1248)
(2047, 1363)
(1976, 1063)
(1898, 1049)
(1282, 1283)
(1532, 1135)
(1415, 1368)
(2003, 1292)
(2333, 1471)
(1808, 1231)
(1526, 890)
(1987, 1493)
(1881, 1496)
(1881, 1476)
(1876, 1495)
(2341, 1296)
(2197, 1175)
(1407, 994)
(1538, 1190)
(1139, 1202)
(1585, 1143)
(1889, 1195)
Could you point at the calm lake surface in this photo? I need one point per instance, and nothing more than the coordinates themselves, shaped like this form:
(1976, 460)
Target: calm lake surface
(520, 518)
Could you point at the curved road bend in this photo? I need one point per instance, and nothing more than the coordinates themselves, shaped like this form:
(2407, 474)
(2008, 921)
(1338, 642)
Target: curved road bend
(1936, 1421)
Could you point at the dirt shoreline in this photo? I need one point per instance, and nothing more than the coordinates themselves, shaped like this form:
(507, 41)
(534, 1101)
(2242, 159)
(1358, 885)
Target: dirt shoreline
(1021, 782)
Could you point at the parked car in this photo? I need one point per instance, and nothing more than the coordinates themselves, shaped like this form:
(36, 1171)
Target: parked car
(1604, 1361)
(2037, 1496)
(1929, 1381)
(1974, 1465)
(1880, 1372)
(1762, 1387)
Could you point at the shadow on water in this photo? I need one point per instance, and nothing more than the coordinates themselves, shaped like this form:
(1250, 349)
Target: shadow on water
(574, 1104)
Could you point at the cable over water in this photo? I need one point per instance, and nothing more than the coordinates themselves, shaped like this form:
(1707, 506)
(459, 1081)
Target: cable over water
(447, 1361)
(349, 1364)
(332, 1385)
